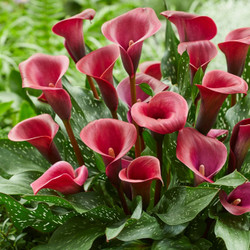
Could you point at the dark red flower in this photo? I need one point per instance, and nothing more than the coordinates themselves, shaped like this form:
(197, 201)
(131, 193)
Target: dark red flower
(152, 68)
(39, 131)
(238, 201)
(191, 27)
(71, 30)
(129, 31)
(44, 72)
(239, 144)
(140, 173)
(215, 88)
(200, 54)
(204, 155)
(235, 49)
(61, 177)
(112, 139)
(164, 114)
(99, 65)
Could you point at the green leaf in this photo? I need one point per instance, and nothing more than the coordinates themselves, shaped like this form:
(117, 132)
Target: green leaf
(233, 180)
(246, 71)
(40, 217)
(76, 233)
(4, 107)
(26, 111)
(234, 230)
(182, 204)
(169, 63)
(145, 87)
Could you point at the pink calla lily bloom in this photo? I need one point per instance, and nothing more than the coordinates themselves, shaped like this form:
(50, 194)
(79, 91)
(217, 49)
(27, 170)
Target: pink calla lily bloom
(39, 131)
(235, 49)
(99, 64)
(204, 155)
(216, 86)
(200, 54)
(239, 144)
(112, 139)
(61, 177)
(215, 133)
(165, 113)
(44, 72)
(129, 31)
(71, 30)
(140, 173)
(152, 68)
(238, 201)
(191, 27)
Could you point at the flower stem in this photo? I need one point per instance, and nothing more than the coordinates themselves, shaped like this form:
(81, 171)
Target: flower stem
(92, 86)
(73, 142)
(133, 90)
(114, 114)
(123, 200)
(233, 100)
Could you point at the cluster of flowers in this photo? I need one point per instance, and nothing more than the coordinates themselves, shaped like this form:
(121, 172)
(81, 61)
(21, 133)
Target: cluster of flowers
(198, 148)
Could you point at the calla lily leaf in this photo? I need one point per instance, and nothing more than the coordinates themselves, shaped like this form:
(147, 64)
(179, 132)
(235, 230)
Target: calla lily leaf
(232, 180)
(147, 89)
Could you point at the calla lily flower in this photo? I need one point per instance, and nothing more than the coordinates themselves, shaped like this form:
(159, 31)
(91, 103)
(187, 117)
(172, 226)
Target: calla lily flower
(123, 89)
(71, 30)
(200, 54)
(239, 144)
(99, 65)
(215, 133)
(216, 86)
(129, 31)
(191, 27)
(152, 68)
(39, 131)
(112, 139)
(238, 201)
(62, 177)
(44, 72)
(164, 114)
(235, 49)
(204, 155)
(140, 173)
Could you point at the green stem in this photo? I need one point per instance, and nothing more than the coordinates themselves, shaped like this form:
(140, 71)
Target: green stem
(92, 86)
(123, 200)
(73, 142)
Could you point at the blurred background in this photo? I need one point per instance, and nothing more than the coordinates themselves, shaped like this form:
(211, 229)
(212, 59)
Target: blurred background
(25, 29)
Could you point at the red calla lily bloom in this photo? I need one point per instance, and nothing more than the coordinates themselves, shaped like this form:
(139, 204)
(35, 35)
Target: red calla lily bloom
(235, 49)
(200, 54)
(239, 144)
(140, 173)
(123, 89)
(164, 114)
(71, 30)
(44, 72)
(204, 155)
(129, 31)
(215, 133)
(99, 65)
(39, 131)
(238, 201)
(61, 177)
(191, 27)
(152, 68)
(216, 86)
(112, 139)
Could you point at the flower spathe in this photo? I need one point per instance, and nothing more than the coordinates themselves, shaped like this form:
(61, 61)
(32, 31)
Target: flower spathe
(112, 139)
(216, 133)
(238, 201)
(129, 31)
(235, 49)
(152, 68)
(39, 131)
(71, 30)
(140, 173)
(191, 27)
(239, 144)
(44, 72)
(165, 113)
(99, 65)
(200, 54)
(216, 86)
(204, 155)
(62, 177)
